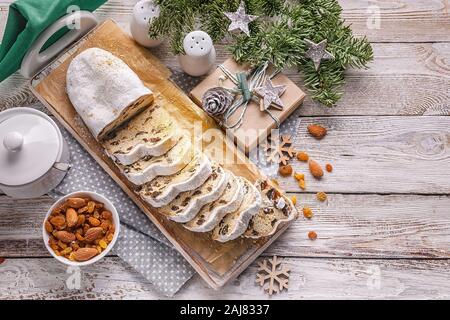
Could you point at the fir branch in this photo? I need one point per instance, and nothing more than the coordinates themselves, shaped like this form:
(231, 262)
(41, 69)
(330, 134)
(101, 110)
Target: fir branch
(279, 40)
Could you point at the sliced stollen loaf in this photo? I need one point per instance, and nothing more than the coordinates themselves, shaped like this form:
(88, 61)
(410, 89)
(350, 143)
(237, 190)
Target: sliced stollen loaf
(105, 91)
(163, 189)
(234, 224)
(276, 209)
(151, 133)
(211, 214)
(149, 167)
(187, 204)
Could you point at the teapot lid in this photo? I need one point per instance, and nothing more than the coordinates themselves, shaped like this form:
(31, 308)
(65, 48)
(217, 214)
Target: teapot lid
(30, 144)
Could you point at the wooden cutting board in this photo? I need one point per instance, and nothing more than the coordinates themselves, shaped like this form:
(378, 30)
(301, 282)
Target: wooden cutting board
(216, 262)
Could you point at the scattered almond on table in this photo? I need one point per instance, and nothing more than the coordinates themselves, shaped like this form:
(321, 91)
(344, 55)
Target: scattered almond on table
(317, 131)
(315, 169)
(79, 229)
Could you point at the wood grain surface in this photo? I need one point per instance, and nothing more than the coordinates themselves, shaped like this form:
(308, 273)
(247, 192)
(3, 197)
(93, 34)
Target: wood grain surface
(385, 229)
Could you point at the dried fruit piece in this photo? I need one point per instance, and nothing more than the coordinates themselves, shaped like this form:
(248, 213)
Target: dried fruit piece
(302, 184)
(294, 200)
(71, 217)
(107, 215)
(102, 243)
(329, 167)
(76, 203)
(58, 221)
(93, 234)
(79, 237)
(91, 206)
(307, 212)
(312, 235)
(321, 196)
(285, 171)
(316, 169)
(48, 226)
(84, 254)
(299, 176)
(317, 131)
(81, 219)
(94, 221)
(66, 251)
(302, 156)
(65, 236)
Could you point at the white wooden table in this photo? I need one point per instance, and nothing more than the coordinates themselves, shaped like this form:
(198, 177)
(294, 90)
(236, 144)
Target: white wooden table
(385, 230)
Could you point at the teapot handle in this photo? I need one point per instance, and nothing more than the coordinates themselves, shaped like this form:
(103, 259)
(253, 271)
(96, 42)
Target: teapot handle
(35, 60)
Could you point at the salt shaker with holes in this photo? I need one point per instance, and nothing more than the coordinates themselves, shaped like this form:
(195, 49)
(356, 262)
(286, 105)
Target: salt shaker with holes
(143, 13)
(200, 54)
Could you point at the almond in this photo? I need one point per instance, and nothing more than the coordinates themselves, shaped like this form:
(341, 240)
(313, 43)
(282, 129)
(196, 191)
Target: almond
(71, 217)
(65, 236)
(84, 254)
(316, 169)
(317, 131)
(58, 221)
(93, 233)
(76, 202)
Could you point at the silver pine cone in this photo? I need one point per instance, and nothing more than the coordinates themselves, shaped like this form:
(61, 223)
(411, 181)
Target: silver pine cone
(216, 101)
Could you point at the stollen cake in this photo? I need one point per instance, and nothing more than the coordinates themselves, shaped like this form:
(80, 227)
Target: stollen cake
(234, 224)
(276, 208)
(105, 91)
(211, 214)
(151, 133)
(147, 168)
(187, 204)
(163, 189)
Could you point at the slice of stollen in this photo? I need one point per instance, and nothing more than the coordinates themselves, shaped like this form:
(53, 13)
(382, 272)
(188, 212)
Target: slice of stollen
(277, 209)
(187, 204)
(211, 214)
(234, 224)
(151, 133)
(149, 167)
(105, 91)
(163, 189)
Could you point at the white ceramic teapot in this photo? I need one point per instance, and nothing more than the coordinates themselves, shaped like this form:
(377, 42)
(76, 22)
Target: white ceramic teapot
(34, 157)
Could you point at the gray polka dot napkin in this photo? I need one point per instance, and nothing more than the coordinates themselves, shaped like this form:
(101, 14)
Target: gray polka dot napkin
(140, 243)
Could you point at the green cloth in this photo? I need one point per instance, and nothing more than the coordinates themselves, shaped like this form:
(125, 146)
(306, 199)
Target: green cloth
(27, 19)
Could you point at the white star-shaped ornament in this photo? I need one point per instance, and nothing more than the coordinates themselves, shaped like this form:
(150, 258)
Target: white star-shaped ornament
(240, 20)
(317, 52)
(271, 94)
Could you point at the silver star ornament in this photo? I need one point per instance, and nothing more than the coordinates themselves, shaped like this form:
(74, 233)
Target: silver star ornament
(240, 20)
(271, 94)
(317, 52)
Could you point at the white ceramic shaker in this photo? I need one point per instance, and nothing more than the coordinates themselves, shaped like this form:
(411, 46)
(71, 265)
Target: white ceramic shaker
(200, 54)
(144, 11)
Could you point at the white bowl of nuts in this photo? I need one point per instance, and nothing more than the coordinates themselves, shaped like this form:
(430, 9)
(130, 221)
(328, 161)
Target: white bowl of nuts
(81, 228)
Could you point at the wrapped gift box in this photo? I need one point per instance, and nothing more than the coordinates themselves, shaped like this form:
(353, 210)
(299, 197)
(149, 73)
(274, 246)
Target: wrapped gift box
(256, 124)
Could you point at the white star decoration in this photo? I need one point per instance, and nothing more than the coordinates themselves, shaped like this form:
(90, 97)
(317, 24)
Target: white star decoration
(271, 94)
(240, 20)
(317, 52)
